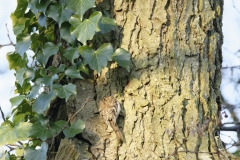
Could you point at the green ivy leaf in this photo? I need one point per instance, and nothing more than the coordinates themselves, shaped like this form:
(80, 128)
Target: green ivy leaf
(86, 29)
(18, 118)
(55, 70)
(37, 42)
(36, 154)
(49, 49)
(59, 13)
(49, 33)
(10, 135)
(80, 6)
(42, 5)
(42, 20)
(15, 101)
(107, 24)
(35, 89)
(40, 131)
(48, 80)
(73, 73)
(65, 91)
(84, 69)
(18, 24)
(24, 107)
(32, 6)
(23, 44)
(71, 53)
(74, 129)
(19, 75)
(24, 89)
(58, 126)
(122, 57)
(65, 33)
(21, 8)
(15, 61)
(43, 102)
(29, 74)
(97, 60)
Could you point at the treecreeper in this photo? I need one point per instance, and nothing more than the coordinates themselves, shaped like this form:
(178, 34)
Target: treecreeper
(109, 109)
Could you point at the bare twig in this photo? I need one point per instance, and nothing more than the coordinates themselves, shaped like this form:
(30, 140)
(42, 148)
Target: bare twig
(11, 42)
(235, 7)
(233, 67)
(232, 128)
(3, 116)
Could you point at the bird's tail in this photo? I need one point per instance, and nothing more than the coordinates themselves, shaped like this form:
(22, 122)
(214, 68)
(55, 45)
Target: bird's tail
(117, 131)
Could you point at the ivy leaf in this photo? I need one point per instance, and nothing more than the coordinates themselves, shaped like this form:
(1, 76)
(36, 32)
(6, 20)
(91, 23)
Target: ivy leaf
(15, 61)
(65, 91)
(21, 8)
(24, 89)
(48, 80)
(65, 33)
(49, 33)
(35, 89)
(42, 5)
(107, 24)
(37, 42)
(19, 76)
(32, 6)
(58, 126)
(40, 131)
(43, 102)
(122, 57)
(49, 49)
(73, 73)
(42, 20)
(18, 118)
(15, 101)
(55, 70)
(98, 59)
(29, 74)
(80, 6)
(10, 135)
(18, 24)
(71, 54)
(59, 13)
(23, 44)
(86, 29)
(74, 129)
(36, 154)
(84, 69)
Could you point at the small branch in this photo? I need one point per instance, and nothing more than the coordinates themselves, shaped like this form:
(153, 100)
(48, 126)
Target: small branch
(235, 7)
(11, 42)
(231, 67)
(199, 152)
(3, 116)
(232, 128)
(9, 36)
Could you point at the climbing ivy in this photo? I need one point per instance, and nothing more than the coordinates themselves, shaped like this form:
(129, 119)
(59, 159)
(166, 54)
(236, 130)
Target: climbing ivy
(62, 29)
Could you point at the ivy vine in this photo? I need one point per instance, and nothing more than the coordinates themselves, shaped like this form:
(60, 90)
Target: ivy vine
(63, 29)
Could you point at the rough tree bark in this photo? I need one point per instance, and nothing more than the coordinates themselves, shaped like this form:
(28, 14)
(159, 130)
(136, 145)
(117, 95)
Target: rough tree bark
(169, 98)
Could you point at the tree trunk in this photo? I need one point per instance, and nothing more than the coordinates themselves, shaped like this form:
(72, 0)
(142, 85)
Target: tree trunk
(169, 98)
